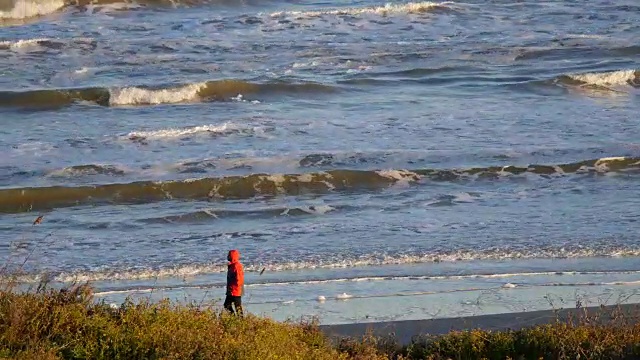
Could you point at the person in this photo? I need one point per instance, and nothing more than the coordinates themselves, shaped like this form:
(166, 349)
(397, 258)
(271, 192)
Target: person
(235, 283)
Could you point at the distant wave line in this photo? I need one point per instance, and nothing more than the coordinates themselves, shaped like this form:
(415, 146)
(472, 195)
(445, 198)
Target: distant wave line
(217, 90)
(125, 274)
(249, 186)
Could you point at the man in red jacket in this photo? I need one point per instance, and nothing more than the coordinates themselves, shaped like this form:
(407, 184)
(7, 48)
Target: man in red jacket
(235, 283)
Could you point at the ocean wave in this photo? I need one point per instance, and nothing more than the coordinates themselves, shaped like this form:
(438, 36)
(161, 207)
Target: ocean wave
(213, 214)
(220, 90)
(268, 283)
(361, 261)
(623, 80)
(171, 3)
(249, 186)
(24, 9)
(179, 133)
(621, 77)
(454, 277)
(88, 170)
(608, 80)
(40, 44)
(27, 43)
(141, 96)
(384, 10)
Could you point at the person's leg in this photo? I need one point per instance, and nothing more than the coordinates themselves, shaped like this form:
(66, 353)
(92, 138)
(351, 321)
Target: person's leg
(228, 303)
(238, 303)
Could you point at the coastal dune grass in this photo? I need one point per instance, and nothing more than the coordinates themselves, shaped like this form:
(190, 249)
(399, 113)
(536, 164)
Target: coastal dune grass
(575, 340)
(70, 324)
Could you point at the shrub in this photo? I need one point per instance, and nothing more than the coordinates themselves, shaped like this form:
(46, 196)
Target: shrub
(70, 325)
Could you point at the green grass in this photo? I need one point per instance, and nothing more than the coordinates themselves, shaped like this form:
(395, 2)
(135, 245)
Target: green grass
(70, 324)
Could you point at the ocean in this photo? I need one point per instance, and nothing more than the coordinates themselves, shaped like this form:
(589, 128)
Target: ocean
(371, 161)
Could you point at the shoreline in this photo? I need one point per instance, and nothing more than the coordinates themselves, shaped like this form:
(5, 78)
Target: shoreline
(405, 330)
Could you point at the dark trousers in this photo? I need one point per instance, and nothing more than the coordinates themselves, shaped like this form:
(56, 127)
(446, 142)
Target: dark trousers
(233, 301)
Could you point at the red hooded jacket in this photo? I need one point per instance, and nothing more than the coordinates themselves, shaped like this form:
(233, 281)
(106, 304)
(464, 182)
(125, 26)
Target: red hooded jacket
(235, 274)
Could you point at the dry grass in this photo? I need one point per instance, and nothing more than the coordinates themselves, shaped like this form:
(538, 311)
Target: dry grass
(70, 325)
(605, 334)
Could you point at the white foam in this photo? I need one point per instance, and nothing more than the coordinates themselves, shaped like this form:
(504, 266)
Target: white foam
(23, 9)
(330, 263)
(317, 210)
(602, 165)
(172, 133)
(455, 277)
(113, 7)
(87, 171)
(587, 36)
(241, 98)
(80, 71)
(314, 210)
(606, 79)
(277, 180)
(622, 283)
(385, 10)
(344, 296)
(305, 177)
(183, 271)
(141, 96)
(399, 175)
(608, 159)
(508, 285)
(464, 198)
(194, 270)
(20, 44)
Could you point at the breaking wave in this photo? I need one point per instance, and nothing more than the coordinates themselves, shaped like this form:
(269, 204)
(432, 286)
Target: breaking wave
(361, 261)
(40, 44)
(88, 170)
(607, 80)
(385, 10)
(249, 186)
(19, 44)
(24, 9)
(234, 90)
(220, 90)
(619, 80)
(178, 133)
(257, 283)
(212, 214)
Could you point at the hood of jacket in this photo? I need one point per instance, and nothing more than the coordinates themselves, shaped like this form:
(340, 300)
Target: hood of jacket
(234, 256)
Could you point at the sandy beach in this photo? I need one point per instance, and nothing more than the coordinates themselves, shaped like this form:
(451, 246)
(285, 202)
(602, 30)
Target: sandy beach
(404, 331)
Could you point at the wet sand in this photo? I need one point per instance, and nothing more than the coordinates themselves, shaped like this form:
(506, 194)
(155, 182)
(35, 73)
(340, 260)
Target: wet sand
(404, 331)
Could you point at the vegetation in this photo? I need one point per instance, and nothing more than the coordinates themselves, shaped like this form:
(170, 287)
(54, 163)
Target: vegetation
(69, 324)
(584, 338)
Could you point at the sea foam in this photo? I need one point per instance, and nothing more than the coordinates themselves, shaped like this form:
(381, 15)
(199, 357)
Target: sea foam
(24, 9)
(142, 96)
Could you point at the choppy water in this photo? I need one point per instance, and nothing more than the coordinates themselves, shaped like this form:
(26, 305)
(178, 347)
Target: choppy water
(410, 153)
